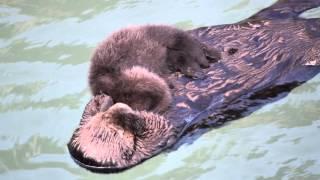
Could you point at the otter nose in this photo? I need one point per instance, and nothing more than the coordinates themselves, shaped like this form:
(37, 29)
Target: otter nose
(204, 65)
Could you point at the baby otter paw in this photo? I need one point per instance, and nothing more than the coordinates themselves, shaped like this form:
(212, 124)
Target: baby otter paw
(122, 115)
(97, 104)
(105, 103)
(192, 73)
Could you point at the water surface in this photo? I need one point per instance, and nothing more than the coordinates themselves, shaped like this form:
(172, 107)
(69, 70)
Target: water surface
(44, 51)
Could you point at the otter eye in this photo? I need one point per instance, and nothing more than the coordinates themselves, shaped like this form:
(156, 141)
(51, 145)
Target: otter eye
(232, 51)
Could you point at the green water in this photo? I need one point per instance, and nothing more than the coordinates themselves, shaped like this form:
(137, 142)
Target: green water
(44, 51)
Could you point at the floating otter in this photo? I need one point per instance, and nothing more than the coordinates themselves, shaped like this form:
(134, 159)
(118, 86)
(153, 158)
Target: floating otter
(264, 57)
(130, 64)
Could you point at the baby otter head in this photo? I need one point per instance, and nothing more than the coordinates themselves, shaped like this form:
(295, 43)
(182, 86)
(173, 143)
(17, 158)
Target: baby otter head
(188, 55)
(120, 138)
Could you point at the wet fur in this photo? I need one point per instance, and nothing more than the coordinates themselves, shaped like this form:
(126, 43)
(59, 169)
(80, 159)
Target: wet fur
(132, 64)
(141, 89)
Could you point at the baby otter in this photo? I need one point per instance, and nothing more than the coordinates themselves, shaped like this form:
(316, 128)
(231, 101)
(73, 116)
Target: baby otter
(119, 137)
(131, 65)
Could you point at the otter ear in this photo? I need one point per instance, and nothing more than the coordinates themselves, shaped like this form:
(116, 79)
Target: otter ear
(212, 54)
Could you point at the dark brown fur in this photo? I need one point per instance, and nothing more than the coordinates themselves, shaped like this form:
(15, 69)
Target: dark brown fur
(117, 64)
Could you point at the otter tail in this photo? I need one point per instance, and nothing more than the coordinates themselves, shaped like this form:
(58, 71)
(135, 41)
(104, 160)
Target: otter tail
(142, 89)
(286, 9)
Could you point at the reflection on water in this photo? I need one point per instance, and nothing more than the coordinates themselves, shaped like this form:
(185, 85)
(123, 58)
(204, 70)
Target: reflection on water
(45, 47)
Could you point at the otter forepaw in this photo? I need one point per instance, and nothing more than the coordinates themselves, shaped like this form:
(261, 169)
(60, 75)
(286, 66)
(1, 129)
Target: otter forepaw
(123, 116)
(192, 73)
(98, 103)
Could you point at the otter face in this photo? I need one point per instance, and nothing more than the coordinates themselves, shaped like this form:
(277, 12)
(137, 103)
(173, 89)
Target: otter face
(120, 138)
(203, 54)
(189, 55)
(185, 63)
(210, 53)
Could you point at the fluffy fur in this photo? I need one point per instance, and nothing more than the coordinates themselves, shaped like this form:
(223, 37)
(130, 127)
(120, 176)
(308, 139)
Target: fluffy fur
(131, 64)
(119, 137)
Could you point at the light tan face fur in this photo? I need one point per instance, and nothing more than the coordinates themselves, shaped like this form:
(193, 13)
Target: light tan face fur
(108, 139)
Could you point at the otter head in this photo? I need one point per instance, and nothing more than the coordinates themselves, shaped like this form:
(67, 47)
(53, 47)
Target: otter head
(202, 55)
(188, 55)
(120, 138)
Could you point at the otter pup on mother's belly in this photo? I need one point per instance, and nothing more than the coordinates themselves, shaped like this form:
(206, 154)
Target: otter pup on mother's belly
(131, 68)
(130, 64)
(114, 137)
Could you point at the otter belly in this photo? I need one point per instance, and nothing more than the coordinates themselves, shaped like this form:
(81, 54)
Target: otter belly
(262, 61)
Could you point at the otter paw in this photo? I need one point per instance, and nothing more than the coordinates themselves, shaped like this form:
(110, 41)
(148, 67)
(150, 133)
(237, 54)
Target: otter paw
(103, 102)
(106, 105)
(97, 104)
(119, 108)
(122, 115)
(192, 73)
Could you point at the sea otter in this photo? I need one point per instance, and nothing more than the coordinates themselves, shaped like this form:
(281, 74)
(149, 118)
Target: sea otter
(132, 64)
(264, 57)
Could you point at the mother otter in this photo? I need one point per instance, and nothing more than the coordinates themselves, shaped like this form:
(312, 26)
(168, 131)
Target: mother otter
(265, 56)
